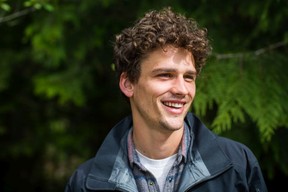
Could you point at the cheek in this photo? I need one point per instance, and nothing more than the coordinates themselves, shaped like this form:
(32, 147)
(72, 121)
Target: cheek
(144, 92)
(192, 89)
(159, 89)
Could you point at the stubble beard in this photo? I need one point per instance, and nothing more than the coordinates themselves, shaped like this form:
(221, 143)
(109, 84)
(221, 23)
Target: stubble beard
(167, 126)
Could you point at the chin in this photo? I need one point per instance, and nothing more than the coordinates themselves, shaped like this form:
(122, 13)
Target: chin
(174, 126)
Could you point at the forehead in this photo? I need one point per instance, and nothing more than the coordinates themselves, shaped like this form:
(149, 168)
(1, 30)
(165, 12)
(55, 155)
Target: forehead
(169, 56)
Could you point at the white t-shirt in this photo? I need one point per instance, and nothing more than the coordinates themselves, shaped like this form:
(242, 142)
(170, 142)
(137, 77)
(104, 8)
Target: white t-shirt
(158, 167)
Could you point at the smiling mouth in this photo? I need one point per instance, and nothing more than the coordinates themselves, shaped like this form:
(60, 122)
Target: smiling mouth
(175, 105)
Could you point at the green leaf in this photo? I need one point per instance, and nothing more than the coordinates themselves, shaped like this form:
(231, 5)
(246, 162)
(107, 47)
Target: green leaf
(5, 6)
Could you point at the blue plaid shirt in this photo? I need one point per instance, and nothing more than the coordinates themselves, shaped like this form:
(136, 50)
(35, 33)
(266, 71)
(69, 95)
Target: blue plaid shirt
(145, 180)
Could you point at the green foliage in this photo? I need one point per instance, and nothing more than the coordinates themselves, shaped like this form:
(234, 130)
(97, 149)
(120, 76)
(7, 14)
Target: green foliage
(39, 4)
(4, 5)
(46, 42)
(36, 4)
(62, 84)
(250, 85)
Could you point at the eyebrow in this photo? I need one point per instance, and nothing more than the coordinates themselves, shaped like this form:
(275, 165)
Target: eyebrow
(171, 70)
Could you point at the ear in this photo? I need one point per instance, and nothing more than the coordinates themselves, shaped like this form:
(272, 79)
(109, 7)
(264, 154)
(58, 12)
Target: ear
(125, 85)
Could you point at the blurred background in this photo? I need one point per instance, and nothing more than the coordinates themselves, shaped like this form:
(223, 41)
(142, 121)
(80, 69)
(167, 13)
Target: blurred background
(59, 95)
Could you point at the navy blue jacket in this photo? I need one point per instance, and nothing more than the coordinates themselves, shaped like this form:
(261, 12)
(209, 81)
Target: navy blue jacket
(214, 164)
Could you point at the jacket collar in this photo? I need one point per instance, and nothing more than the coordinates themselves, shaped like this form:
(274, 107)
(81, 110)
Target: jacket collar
(111, 170)
(207, 144)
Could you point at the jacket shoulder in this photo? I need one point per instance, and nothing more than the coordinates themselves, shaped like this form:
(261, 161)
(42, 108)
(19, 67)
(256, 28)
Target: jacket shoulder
(77, 180)
(237, 152)
(207, 141)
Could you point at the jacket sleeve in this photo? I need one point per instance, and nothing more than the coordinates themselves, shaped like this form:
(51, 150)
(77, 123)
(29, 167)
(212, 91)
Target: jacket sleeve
(256, 180)
(246, 165)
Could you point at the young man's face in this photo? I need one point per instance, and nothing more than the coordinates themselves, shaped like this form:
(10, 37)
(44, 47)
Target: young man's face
(165, 90)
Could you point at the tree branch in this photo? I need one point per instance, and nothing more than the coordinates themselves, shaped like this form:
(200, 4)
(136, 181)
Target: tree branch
(256, 52)
(16, 15)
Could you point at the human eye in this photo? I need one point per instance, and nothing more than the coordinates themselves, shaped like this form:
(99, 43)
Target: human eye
(190, 78)
(165, 75)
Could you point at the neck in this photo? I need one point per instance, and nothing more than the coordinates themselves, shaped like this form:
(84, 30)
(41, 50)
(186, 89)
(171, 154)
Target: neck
(155, 144)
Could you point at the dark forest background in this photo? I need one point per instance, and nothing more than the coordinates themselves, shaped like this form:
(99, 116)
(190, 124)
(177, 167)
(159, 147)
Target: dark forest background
(59, 95)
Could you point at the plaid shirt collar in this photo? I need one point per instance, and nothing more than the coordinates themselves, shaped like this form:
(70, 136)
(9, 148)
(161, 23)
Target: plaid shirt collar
(181, 155)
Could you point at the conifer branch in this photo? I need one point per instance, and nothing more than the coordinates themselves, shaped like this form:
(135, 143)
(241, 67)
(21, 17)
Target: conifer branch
(256, 52)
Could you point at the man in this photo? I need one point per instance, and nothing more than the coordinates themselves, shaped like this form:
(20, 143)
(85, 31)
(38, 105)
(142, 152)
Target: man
(162, 146)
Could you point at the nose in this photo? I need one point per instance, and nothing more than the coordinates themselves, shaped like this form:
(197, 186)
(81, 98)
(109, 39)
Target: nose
(180, 86)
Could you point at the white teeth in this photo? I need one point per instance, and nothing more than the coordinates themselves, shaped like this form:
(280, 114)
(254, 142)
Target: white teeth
(176, 105)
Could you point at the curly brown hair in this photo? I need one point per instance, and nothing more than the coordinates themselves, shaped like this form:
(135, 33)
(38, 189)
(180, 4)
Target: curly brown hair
(154, 30)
